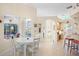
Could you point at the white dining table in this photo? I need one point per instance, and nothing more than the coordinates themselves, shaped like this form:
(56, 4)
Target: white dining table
(25, 42)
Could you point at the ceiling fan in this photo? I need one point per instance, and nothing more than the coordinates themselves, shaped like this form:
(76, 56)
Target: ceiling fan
(71, 6)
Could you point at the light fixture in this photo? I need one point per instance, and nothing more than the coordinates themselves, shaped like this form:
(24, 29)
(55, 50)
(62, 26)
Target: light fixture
(12, 28)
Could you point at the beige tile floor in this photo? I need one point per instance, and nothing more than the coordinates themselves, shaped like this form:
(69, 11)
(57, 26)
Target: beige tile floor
(46, 48)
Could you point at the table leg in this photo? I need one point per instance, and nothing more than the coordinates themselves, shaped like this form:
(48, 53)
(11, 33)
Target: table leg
(25, 46)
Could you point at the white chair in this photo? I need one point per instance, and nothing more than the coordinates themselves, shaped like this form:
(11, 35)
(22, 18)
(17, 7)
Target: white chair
(32, 48)
(18, 48)
(36, 44)
(29, 49)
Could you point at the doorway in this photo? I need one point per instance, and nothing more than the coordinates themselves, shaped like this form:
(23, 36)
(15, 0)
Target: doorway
(50, 31)
(48, 44)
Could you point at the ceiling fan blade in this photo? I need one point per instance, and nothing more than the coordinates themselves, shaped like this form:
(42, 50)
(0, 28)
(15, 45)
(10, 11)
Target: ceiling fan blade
(69, 7)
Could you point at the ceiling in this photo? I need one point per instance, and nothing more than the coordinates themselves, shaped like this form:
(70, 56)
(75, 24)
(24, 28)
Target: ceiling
(52, 9)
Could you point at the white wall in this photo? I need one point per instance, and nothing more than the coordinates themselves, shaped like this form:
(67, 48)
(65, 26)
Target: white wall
(42, 20)
(20, 10)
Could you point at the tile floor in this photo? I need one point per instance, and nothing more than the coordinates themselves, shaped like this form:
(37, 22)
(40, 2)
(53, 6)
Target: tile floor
(46, 48)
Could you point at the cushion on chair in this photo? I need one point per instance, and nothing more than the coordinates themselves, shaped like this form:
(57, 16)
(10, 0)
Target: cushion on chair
(76, 41)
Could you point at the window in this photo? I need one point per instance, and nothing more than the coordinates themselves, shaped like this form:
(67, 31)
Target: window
(10, 29)
(28, 24)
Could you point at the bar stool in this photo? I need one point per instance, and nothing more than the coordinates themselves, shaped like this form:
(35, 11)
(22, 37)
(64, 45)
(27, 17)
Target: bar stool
(68, 44)
(76, 46)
